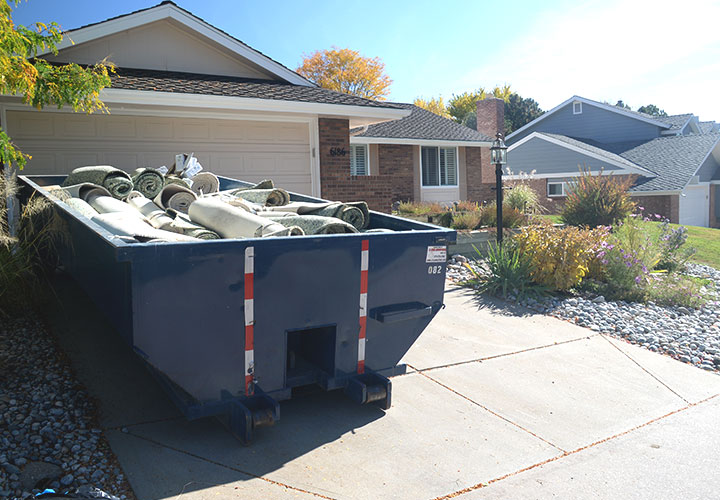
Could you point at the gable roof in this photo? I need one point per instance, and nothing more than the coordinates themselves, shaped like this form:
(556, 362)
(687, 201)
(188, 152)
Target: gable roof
(421, 125)
(231, 86)
(169, 10)
(708, 127)
(674, 159)
(676, 122)
(608, 107)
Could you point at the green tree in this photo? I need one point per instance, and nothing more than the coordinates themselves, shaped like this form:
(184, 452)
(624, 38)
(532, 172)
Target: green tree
(345, 70)
(621, 104)
(39, 82)
(653, 110)
(461, 107)
(519, 112)
(433, 105)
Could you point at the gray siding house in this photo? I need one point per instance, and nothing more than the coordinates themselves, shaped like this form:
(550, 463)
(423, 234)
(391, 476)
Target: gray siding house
(675, 160)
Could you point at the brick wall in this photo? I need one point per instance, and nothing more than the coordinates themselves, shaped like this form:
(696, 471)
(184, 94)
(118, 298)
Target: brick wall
(336, 182)
(480, 176)
(665, 205)
(396, 162)
(491, 116)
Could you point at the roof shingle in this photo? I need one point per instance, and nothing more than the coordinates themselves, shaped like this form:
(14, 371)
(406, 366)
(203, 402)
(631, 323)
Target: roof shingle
(423, 125)
(192, 83)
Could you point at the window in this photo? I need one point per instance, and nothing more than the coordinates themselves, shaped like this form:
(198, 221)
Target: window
(439, 166)
(577, 108)
(555, 189)
(359, 159)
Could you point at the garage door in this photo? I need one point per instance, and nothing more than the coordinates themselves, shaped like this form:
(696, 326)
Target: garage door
(695, 206)
(247, 150)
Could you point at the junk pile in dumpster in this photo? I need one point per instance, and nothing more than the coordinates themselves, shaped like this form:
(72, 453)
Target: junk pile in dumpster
(215, 287)
(154, 206)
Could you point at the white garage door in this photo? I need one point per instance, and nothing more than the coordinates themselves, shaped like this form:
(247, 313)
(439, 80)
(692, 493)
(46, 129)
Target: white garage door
(695, 206)
(246, 150)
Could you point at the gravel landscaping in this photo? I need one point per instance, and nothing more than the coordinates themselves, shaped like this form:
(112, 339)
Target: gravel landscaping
(689, 335)
(48, 438)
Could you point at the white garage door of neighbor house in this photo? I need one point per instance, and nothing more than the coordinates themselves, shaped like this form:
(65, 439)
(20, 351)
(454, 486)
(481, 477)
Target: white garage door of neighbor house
(695, 206)
(247, 150)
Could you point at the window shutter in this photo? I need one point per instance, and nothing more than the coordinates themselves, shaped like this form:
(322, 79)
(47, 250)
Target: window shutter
(448, 166)
(358, 160)
(430, 166)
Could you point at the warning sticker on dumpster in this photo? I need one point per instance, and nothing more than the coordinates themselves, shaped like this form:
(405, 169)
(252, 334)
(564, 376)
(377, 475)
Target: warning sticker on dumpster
(436, 254)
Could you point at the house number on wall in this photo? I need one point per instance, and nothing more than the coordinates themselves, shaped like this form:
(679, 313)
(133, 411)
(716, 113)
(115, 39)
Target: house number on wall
(337, 152)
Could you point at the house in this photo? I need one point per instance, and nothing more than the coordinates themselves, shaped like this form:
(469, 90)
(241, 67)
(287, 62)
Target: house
(674, 160)
(183, 85)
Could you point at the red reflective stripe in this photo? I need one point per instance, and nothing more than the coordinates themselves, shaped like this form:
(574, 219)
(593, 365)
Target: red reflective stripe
(363, 281)
(361, 366)
(249, 285)
(365, 244)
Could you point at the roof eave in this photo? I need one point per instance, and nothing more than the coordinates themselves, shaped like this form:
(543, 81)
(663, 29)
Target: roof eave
(414, 141)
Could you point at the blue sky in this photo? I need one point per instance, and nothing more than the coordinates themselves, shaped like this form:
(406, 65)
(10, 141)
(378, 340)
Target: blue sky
(659, 52)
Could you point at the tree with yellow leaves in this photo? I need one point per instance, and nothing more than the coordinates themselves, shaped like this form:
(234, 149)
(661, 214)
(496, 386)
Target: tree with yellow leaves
(39, 82)
(433, 105)
(345, 70)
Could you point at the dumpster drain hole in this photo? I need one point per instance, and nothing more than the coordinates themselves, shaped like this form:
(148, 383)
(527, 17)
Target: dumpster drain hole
(310, 356)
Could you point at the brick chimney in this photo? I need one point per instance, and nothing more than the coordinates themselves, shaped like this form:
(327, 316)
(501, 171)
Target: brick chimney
(491, 116)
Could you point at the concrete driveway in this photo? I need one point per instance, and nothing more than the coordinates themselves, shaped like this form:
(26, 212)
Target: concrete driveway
(498, 403)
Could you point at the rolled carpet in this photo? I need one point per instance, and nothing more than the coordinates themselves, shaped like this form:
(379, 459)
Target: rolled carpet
(82, 207)
(233, 222)
(108, 205)
(188, 228)
(266, 184)
(127, 224)
(205, 183)
(267, 197)
(350, 214)
(174, 179)
(176, 197)
(148, 181)
(113, 179)
(312, 224)
(85, 190)
(155, 215)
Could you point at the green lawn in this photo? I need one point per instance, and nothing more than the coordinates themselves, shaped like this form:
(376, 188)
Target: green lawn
(707, 242)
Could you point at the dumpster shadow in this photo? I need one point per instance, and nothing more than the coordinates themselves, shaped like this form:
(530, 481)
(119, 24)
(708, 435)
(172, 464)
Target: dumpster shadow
(202, 453)
(496, 305)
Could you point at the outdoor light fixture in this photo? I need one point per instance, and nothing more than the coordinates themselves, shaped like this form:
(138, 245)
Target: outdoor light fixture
(498, 156)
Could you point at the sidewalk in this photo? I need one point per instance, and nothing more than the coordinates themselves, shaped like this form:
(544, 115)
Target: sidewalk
(531, 406)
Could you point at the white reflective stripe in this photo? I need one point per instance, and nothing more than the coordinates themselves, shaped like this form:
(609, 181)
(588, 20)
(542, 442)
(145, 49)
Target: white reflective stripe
(363, 304)
(361, 349)
(249, 362)
(249, 315)
(364, 260)
(249, 260)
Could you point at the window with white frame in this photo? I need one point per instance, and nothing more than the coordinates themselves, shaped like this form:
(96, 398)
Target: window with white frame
(439, 166)
(577, 107)
(555, 189)
(359, 159)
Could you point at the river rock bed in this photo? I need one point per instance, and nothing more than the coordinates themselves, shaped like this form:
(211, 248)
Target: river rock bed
(689, 335)
(48, 438)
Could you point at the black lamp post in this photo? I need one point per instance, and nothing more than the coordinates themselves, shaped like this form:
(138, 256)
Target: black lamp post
(498, 156)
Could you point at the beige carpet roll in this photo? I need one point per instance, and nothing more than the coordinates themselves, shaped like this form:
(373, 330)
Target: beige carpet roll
(128, 224)
(311, 224)
(155, 215)
(108, 204)
(85, 190)
(134, 194)
(205, 183)
(267, 197)
(343, 211)
(82, 207)
(234, 222)
(175, 196)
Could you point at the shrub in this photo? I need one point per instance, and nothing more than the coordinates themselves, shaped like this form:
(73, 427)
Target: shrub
(420, 208)
(523, 198)
(25, 257)
(597, 200)
(560, 258)
(512, 217)
(466, 220)
(674, 254)
(509, 271)
(467, 206)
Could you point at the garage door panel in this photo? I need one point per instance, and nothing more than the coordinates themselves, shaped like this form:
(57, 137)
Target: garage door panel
(694, 207)
(249, 150)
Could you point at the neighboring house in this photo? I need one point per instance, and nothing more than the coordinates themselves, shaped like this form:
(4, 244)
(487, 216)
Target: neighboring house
(674, 160)
(183, 85)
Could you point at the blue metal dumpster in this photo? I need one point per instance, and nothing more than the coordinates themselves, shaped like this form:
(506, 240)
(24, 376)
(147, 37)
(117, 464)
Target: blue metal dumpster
(231, 327)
